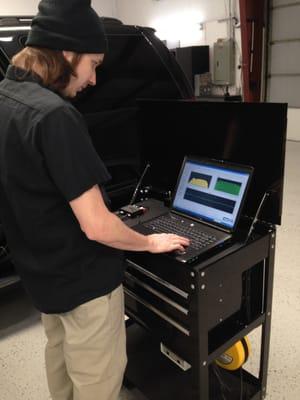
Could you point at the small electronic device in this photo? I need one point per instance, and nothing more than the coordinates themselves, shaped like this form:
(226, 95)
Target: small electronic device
(132, 210)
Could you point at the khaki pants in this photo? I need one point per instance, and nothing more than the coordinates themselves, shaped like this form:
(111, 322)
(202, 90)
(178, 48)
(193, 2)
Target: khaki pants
(86, 350)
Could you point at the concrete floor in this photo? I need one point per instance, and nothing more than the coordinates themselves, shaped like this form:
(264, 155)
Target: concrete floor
(22, 374)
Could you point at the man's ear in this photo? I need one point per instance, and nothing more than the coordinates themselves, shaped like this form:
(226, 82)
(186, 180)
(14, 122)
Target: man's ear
(68, 55)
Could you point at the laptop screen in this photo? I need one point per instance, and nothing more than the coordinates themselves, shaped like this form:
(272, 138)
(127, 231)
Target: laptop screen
(211, 191)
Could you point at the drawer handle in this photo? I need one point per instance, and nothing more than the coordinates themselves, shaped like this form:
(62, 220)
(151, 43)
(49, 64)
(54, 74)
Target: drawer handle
(157, 293)
(157, 312)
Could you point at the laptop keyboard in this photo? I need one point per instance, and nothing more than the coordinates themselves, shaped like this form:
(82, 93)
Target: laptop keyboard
(166, 224)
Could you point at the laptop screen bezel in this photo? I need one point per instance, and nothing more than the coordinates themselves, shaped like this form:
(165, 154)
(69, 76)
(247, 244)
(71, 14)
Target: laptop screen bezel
(220, 164)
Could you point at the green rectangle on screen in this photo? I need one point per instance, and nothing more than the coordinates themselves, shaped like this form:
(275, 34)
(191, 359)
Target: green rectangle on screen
(226, 186)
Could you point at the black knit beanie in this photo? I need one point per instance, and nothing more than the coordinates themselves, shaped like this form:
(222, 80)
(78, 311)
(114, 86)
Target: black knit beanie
(70, 25)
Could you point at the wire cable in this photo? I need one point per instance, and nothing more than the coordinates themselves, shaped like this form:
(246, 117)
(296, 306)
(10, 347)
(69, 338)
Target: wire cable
(139, 184)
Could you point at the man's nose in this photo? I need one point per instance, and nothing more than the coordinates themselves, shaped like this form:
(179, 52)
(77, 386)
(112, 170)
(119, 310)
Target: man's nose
(93, 79)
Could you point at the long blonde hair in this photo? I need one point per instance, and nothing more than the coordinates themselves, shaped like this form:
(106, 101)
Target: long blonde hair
(53, 67)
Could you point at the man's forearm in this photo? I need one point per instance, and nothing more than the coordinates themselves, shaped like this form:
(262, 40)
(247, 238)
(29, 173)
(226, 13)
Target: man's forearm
(114, 233)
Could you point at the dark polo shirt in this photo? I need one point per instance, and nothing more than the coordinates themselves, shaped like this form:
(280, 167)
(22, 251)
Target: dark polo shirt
(46, 160)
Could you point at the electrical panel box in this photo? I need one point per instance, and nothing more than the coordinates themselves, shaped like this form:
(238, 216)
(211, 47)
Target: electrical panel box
(224, 62)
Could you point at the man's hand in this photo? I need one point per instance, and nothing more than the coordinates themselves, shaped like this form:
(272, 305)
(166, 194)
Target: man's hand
(165, 242)
(102, 226)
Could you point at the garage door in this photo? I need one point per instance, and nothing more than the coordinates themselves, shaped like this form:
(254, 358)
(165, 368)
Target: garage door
(283, 84)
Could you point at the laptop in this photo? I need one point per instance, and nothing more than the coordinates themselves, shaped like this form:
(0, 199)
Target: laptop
(206, 205)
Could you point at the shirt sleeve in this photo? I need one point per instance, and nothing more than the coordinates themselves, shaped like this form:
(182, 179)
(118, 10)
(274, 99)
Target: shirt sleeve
(69, 154)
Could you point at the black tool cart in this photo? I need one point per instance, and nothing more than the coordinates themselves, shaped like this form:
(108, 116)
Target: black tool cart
(182, 317)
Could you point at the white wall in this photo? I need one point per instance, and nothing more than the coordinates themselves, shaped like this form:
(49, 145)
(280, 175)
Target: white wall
(106, 8)
(293, 131)
(18, 7)
(29, 7)
(183, 15)
(144, 11)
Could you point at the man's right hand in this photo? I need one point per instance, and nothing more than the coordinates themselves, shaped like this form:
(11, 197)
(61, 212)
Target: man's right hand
(101, 225)
(166, 242)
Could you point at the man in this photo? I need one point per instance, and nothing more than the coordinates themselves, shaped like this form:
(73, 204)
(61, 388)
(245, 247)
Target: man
(65, 242)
